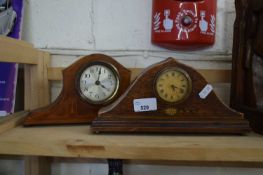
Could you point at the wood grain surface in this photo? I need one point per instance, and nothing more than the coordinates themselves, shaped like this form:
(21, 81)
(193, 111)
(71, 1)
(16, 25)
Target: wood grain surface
(193, 115)
(69, 107)
(79, 141)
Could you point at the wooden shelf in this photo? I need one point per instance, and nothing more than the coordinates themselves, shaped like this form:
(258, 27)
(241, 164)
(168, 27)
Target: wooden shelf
(78, 141)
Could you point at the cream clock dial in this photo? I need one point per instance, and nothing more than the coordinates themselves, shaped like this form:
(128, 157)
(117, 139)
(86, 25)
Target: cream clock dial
(173, 85)
(98, 83)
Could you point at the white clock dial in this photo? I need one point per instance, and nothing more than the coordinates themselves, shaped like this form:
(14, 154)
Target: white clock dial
(98, 83)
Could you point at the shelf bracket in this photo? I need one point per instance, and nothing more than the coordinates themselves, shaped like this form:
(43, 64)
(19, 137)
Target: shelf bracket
(115, 166)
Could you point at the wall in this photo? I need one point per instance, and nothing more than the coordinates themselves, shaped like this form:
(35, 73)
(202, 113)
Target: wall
(121, 28)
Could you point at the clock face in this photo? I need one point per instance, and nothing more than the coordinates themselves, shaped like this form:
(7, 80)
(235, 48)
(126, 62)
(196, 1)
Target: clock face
(173, 85)
(98, 83)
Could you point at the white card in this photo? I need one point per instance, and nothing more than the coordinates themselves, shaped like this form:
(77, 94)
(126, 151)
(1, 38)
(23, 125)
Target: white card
(206, 91)
(3, 113)
(145, 104)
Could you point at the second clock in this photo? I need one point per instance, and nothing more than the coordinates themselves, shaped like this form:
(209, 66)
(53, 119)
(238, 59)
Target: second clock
(169, 97)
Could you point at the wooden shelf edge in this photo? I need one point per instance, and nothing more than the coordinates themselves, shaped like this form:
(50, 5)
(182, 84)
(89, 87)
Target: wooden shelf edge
(12, 121)
(17, 51)
(79, 142)
(13, 41)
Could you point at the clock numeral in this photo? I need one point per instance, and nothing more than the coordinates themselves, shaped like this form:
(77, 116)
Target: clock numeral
(109, 76)
(97, 96)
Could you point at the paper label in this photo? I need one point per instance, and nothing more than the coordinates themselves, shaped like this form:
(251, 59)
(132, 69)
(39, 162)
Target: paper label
(3, 113)
(145, 104)
(206, 91)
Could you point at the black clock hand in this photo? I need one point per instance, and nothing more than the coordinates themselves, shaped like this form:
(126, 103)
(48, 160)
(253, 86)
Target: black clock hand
(97, 82)
(173, 87)
(104, 87)
(99, 75)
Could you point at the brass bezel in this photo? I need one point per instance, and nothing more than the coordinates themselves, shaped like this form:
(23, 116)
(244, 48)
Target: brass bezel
(115, 73)
(173, 69)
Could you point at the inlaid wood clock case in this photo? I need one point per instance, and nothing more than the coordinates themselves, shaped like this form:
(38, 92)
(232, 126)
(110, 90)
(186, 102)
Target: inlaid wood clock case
(83, 88)
(190, 114)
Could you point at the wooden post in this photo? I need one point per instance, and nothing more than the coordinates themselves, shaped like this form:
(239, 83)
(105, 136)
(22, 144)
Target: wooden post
(37, 91)
(37, 94)
(37, 165)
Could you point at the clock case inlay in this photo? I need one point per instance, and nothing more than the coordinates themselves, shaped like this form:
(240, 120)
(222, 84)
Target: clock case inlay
(70, 107)
(193, 115)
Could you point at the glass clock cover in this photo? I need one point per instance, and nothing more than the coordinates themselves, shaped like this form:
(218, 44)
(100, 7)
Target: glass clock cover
(173, 85)
(98, 83)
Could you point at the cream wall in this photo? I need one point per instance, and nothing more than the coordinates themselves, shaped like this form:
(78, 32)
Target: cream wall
(121, 28)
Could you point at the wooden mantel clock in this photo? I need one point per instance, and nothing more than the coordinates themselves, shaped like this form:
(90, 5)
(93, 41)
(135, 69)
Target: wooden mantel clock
(169, 97)
(89, 84)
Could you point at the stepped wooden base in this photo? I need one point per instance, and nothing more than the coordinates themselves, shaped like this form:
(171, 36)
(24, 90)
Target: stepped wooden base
(213, 127)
